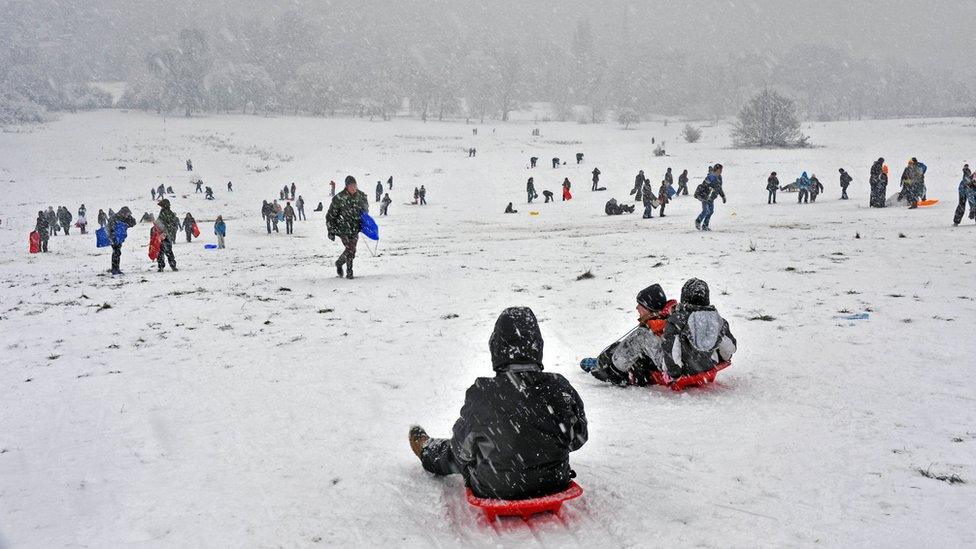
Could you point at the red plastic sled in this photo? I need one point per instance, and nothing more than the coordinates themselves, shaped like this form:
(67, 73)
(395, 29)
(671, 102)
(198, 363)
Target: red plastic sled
(196, 231)
(34, 242)
(927, 203)
(155, 243)
(698, 380)
(525, 508)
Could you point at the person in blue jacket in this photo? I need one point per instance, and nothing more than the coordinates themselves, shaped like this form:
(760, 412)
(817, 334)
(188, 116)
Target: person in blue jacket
(117, 229)
(803, 185)
(707, 192)
(220, 229)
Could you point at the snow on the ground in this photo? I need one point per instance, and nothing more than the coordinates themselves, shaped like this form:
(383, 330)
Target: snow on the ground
(252, 399)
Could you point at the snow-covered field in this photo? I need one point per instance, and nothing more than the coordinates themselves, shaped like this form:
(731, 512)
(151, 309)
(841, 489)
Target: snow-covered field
(254, 400)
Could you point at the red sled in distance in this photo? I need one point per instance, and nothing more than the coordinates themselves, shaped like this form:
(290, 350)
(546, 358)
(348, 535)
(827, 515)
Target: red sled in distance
(525, 508)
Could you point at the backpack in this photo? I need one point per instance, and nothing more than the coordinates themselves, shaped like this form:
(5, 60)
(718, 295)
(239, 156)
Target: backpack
(702, 192)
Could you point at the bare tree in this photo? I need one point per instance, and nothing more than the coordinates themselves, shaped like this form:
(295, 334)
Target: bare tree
(690, 133)
(768, 120)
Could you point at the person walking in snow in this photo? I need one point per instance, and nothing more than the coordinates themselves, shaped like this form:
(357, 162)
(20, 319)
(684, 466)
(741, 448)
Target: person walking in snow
(64, 216)
(707, 192)
(167, 224)
(199, 185)
(416, 195)
(530, 190)
(816, 187)
(423, 195)
(220, 229)
(266, 213)
(967, 194)
(332, 186)
(803, 186)
(579, 158)
(389, 183)
(102, 218)
(772, 185)
(152, 192)
(230, 187)
(118, 226)
(596, 179)
(289, 214)
(187, 226)
(293, 189)
(379, 191)
(189, 165)
(344, 220)
(82, 220)
(647, 197)
(877, 199)
(43, 228)
(637, 358)
(533, 161)
(385, 205)
(845, 181)
(567, 195)
(662, 196)
(521, 411)
(300, 204)
(279, 215)
(638, 185)
(682, 184)
(160, 192)
(669, 178)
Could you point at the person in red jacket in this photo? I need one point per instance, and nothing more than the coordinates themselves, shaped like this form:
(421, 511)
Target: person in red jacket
(566, 186)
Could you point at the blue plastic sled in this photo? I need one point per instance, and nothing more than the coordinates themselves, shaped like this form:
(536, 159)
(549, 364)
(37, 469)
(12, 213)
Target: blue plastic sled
(121, 232)
(671, 191)
(209, 246)
(368, 227)
(101, 238)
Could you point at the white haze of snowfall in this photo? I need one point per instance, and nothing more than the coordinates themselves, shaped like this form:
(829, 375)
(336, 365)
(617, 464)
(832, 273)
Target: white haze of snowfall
(252, 399)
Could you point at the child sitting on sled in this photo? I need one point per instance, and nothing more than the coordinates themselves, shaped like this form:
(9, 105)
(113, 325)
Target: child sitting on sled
(696, 338)
(637, 358)
(516, 429)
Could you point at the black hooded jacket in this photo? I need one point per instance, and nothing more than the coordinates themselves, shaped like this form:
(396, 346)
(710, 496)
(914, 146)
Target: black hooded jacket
(517, 429)
(696, 337)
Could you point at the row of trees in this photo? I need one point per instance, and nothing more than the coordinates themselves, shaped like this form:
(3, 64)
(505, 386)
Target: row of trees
(444, 59)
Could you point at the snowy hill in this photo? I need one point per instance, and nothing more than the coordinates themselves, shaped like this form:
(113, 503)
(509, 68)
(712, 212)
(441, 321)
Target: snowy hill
(253, 399)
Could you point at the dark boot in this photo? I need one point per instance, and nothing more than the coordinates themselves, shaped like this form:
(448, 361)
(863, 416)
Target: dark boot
(338, 265)
(349, 270)
(418, 439)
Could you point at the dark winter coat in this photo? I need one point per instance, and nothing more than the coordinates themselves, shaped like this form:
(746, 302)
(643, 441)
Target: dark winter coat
(345, 211)
(188, 222)
(64, 216)
(668, 178)
(647, 195)
(42, 227)
(662, 194)
(289, 212)
(845, 180)
(596, 175)
(517, 429)
(168, 223)
(122, 216)
(696, 339)
(683, 179)
(772, 183)
(102, 218)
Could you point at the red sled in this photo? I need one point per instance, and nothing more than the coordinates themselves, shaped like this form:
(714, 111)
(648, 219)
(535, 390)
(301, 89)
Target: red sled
(525, 508)
(34, 242)
(155, 242)
(196, 231)
(697, 380)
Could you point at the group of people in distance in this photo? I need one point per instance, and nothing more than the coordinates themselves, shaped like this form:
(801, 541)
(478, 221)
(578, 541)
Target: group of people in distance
(516, 430)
